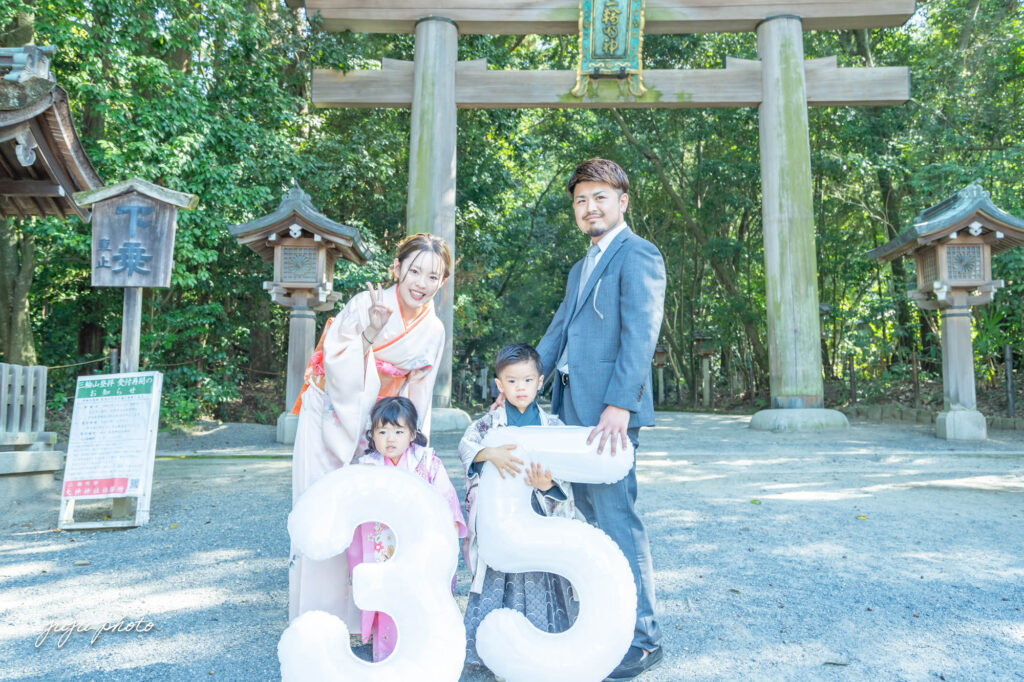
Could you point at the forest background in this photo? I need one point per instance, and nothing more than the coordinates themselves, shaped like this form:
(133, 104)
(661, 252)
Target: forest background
(212, 97)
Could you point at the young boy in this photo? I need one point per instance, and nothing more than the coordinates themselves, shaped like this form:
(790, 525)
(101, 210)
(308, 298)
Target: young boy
(544, 598)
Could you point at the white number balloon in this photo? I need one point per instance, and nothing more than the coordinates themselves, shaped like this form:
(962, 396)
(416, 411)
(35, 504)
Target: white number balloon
(413, 586)
(515, 539)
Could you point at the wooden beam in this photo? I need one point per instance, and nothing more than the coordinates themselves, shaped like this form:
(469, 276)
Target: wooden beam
(738, 85)
(562, 16)
(32, 188)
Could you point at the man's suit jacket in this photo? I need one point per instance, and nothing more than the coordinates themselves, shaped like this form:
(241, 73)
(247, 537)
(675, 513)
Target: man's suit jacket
(611, 333)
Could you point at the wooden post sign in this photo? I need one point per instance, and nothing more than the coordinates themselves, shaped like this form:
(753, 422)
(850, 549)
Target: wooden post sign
(132, 242)
(133, 225)
(111, 447)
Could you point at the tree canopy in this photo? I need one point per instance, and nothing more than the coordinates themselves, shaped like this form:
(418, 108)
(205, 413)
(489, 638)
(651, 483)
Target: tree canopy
(212, 97)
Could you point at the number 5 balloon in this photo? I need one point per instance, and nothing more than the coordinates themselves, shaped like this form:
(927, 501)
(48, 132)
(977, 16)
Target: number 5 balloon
(515, 539)
(413, 586)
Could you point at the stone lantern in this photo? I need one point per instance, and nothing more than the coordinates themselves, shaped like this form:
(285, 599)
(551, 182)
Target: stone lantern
(705, 349)
(952, 243)
(660, 360)
(303, 244)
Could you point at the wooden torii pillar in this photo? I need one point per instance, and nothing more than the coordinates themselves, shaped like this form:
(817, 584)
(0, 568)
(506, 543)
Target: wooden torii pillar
(780, 83)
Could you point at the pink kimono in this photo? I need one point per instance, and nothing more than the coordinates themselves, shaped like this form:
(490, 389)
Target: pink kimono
(374, 541)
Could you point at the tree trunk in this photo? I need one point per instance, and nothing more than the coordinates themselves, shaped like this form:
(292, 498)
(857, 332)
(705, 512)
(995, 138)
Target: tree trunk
(725, 273)
(17, 261)
(891, 200)
(93, 102)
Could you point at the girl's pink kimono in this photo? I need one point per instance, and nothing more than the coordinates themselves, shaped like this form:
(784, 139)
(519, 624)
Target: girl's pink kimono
(342, 384)
(373, 541)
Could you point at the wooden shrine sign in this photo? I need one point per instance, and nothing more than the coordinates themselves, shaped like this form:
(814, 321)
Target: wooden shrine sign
(133, 226)
(111, 447)
(132, 242)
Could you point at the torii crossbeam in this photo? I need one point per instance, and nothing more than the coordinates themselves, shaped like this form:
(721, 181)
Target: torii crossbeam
(780, 83)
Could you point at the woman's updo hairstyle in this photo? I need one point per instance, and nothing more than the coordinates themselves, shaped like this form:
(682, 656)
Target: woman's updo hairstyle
(424, 241)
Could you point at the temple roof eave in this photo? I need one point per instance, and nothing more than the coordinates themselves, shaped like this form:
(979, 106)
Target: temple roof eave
(59, 159)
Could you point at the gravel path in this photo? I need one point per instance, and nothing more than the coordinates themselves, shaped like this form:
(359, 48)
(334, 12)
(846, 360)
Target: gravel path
(874, 553)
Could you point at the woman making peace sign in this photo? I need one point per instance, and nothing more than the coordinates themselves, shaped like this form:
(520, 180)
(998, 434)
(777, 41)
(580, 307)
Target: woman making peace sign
(385, 342)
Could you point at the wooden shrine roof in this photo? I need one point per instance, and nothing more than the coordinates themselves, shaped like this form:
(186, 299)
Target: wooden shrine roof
(42, 162)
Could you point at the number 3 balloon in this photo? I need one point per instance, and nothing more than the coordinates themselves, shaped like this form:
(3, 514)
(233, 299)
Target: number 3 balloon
(515, 539)
(413, 586)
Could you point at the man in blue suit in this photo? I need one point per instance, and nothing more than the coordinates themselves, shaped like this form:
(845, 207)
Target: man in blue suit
(601, 343)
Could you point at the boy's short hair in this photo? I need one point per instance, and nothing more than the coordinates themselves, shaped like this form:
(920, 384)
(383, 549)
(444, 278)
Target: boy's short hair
(599, 170)
(513, 354)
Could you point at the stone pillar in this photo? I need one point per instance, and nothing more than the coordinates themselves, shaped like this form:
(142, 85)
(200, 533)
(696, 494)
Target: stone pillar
(705, 381)
(431, 205)
(131, 329)
(301, 340)
(959, 419)
(789, 250)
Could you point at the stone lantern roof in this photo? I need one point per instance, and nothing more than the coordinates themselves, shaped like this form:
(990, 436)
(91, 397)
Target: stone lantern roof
(970, 208)
(294, 215)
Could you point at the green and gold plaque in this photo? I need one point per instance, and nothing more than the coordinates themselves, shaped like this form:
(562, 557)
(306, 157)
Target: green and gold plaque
(611, 43)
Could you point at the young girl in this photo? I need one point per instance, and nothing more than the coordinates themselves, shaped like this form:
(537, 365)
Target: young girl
(385, 342)
(394, 441)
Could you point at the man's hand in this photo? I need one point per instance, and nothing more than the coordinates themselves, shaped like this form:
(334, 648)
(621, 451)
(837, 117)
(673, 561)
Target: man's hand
(539, 478)
(502, 458)
(498, 402)
(613, 424)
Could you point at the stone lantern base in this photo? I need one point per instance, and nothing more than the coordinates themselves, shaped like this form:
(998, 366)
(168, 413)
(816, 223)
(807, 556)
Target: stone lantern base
(798, 419)
(449, 420)
(961, 425)
(287, 425)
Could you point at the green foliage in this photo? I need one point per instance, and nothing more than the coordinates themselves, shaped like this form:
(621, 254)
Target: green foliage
(212, 97)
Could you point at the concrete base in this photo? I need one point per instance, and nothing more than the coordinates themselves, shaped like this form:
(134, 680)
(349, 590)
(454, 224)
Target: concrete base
(961, 425)
(30, 461)
(797, 419)
(287, 425)
(448, 419)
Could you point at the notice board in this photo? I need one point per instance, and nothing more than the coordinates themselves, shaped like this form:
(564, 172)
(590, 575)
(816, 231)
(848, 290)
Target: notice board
(112, 446)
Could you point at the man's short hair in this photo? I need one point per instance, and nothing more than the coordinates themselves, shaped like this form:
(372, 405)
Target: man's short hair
(513, 354)
(599, 170)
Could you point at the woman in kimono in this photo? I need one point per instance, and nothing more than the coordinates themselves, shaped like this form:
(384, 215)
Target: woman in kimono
(385, 342)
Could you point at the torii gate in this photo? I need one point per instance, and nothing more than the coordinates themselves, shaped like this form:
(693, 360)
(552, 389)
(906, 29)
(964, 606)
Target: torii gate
(781, 84)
